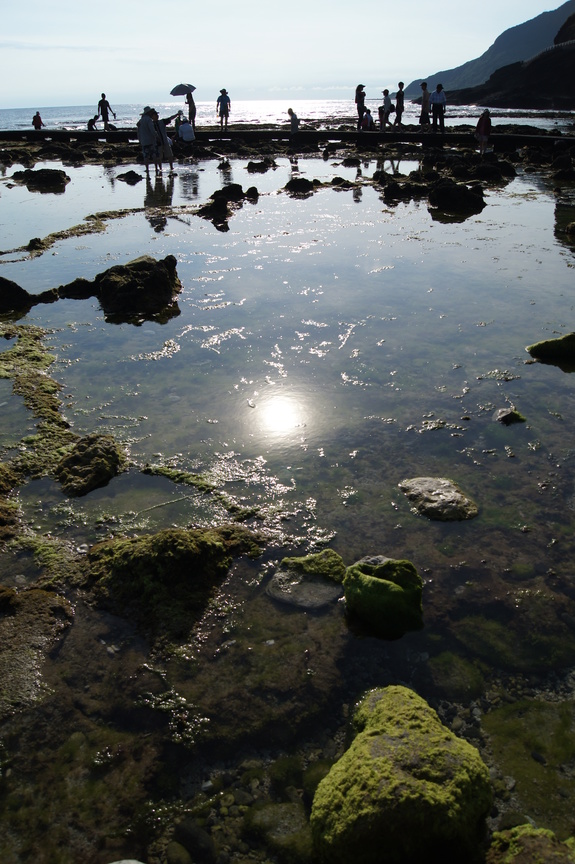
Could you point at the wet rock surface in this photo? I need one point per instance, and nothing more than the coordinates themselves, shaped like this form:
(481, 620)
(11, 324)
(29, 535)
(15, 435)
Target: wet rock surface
(439, 498)
(43, 179)
(92, 463)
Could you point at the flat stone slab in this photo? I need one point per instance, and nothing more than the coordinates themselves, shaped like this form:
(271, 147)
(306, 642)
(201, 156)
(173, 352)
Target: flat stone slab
(439, 498)
(302, 589)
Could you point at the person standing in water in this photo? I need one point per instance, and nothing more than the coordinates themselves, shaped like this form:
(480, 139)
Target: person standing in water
(104, 110)
(223, 107)
(37, 121)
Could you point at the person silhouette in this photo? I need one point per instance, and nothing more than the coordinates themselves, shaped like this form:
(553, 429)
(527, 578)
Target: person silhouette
(104, 110)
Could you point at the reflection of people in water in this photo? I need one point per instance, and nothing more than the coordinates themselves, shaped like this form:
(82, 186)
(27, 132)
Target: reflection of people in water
(158, 197)
(190, 184)
(226, 170)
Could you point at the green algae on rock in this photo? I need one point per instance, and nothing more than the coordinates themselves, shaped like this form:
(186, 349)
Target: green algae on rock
(526, 844)
(90, 464)
(386, 594)
(164, 581)
(406, 790)
(558, 352)
(325, 563)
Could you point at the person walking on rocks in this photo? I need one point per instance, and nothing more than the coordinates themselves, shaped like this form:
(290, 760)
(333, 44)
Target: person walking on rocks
(191, 109)
(104, 110)
(425, 94)
(399, 103)
(438, 103)
(223, 107)
(360, 103)
(37, 122)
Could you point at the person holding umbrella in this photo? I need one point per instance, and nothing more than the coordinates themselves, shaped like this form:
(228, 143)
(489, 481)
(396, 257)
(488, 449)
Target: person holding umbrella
(187, 90)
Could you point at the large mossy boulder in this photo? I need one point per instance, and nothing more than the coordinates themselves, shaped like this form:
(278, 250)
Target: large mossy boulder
(164, 581)
(91, 464)
(526, 844)
(558, 352)
(407, 790)
(385, 594)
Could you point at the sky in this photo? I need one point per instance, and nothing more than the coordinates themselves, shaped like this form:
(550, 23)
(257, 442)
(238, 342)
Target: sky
(68, 53)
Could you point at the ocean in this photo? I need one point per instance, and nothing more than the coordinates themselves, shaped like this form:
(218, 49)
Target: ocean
(270, 112)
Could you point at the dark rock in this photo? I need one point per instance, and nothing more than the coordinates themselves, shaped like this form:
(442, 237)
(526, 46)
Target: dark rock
(385, 594)
(13, 298)
(92, 463)
(130, 177)
(559, 352)
(300, 186)
(143, 287)
(508, 416)
(456, 198)
(43, 179)
(196, 841)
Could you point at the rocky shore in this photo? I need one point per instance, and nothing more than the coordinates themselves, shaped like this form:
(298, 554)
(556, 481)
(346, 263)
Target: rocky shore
(169, 788)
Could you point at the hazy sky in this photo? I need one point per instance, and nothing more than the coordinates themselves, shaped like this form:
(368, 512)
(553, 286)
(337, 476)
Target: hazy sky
(67, 53)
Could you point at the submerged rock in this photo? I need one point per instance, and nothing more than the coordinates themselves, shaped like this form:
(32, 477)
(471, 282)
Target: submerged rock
(31, 622)
(406, 790)
(91, 463)
(439, 498)
(386, 594)
(163, 581)
(310, 582)
(130, 177)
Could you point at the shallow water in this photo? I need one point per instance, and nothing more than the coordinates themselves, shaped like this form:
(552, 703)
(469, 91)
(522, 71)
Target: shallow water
(326, 349)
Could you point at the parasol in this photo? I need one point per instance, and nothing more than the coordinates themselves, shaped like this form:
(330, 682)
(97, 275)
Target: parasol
(182, 89)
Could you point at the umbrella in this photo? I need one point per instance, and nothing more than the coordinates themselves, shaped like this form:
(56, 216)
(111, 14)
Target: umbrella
(182, 89)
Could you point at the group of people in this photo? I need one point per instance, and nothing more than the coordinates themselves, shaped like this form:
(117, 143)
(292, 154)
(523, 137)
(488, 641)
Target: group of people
(434, 103)
(154, 140)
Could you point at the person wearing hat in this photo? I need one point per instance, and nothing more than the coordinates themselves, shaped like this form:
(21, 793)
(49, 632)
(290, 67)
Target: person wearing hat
(149, 139)
(223, 107)
(360, 103)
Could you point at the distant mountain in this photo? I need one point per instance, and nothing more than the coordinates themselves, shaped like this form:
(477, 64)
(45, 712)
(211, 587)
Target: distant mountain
(518, 43)
(544, 82)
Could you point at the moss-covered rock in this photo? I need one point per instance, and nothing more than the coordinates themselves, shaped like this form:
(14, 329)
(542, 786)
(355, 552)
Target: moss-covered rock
(407, 790)
(326, 563)
(526, 844)
(559, 352)
(164, 581)
(386, 594)
(90, 464)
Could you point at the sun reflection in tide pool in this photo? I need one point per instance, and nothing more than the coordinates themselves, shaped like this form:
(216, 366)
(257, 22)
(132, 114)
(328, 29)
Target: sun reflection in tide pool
(280, 414)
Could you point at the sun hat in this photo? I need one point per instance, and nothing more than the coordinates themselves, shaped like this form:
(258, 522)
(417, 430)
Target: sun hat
(148, 110)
